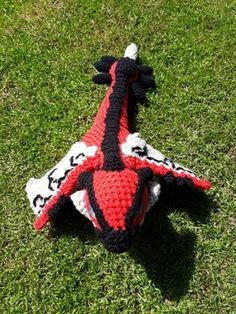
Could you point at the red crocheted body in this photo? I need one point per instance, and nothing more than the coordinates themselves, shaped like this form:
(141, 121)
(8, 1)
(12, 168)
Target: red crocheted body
(114, 192)
(96, 133)
(114, 171)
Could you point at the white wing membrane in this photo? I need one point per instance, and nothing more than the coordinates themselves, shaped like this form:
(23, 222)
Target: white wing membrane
(39, 191)
(78, 199)
(137, 147)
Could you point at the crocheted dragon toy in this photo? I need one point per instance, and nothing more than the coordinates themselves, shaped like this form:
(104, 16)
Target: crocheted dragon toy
(112, 176)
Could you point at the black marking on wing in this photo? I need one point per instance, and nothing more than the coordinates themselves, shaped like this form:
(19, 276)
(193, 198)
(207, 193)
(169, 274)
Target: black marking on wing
(40, 197)
(73, 164)
(187, 170)
(141, 151)
(73, 158)
(156, 160)
(62, 178)
(167, 162)
(51, 179)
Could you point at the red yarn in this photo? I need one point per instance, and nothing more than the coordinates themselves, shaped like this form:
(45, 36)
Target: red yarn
(116, 185)
(96, 133)
(135, 163)
(114, 192)
(67, 188)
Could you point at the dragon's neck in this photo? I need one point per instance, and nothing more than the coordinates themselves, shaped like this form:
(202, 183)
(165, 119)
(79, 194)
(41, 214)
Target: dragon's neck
(110, 127)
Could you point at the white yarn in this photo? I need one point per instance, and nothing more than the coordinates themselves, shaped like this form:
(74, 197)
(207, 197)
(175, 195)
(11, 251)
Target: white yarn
(133, 140)
(79, 153)
(78, 199)
(131, 51)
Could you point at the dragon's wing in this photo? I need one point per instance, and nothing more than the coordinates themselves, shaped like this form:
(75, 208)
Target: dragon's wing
(60, 182)
(138, 154)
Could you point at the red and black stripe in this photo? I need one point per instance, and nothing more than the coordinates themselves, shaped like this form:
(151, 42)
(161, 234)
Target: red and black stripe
(116, 240)
(124, 71)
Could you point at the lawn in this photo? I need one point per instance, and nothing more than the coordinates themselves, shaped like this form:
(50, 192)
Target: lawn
(183, 260)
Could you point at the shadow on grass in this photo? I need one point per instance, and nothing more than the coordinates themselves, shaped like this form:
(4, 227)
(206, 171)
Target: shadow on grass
(168, 256)
(69, 222)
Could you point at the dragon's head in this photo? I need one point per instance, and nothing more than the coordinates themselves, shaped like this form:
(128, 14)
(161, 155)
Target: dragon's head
(117, 201)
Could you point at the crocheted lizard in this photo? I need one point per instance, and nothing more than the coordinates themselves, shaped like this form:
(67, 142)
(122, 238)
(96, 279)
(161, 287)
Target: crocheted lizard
(112, 176)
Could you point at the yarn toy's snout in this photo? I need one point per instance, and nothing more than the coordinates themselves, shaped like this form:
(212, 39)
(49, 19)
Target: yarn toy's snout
(116, 215)
(117, 241)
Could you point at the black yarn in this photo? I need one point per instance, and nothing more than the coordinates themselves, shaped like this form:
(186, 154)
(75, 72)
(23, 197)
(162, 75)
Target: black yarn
(140, 151)
(42, 199)
(145, 69)
(85, 181)
(62, 202)
(103, 78)
(144, 175)
(169, 180)
(116, 240)
(59, 181)
(138, 92)
(147, 81)
(110, 145)
(125, 69)
(51, 179)
(105, 63)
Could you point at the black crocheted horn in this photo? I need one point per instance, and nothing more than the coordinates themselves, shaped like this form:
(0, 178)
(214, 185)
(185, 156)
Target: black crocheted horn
(105, 63)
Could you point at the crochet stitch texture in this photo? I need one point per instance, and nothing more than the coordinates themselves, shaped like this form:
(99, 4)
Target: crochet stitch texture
(112, 176)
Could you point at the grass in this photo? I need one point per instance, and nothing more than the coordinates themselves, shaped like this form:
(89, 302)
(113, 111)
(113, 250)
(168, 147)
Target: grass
(183, 260)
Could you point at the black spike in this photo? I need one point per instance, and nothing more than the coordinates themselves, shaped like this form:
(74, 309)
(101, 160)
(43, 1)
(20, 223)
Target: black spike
(145, 69)
(102, 78)
(147, 81)
(138, 92)
(105, 63)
